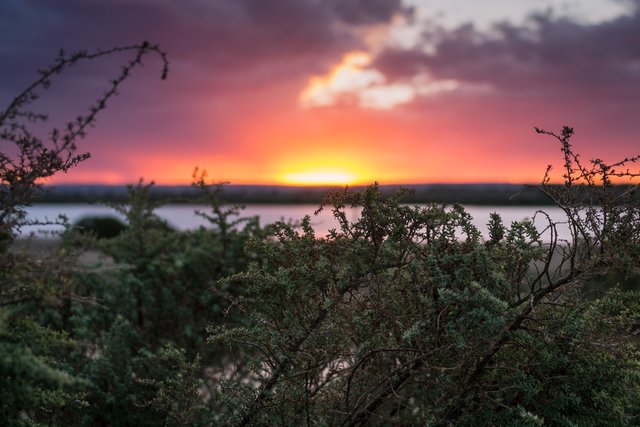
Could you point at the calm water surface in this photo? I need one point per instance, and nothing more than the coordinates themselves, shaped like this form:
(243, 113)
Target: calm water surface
(182, 217)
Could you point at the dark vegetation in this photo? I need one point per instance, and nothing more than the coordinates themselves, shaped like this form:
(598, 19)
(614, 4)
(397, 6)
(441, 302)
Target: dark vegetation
(403, 317)
(102, 227)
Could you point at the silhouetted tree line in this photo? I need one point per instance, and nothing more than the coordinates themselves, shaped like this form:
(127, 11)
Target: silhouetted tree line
(466, 194)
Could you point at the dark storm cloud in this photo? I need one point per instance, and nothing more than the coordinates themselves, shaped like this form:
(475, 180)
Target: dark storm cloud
(216, 37)
(548, 54)
(367, 11)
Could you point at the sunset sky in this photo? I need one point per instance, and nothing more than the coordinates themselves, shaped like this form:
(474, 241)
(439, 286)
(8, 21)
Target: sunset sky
(337, 91)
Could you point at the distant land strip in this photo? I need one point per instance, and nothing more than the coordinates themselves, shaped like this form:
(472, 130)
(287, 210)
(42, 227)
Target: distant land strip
(470, 194)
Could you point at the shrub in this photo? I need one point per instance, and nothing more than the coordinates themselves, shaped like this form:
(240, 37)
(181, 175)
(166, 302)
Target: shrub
(406, 316)
(38, 383)
(102, 227)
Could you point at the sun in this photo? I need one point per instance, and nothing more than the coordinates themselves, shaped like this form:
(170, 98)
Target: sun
(322, 166)
(318, 177)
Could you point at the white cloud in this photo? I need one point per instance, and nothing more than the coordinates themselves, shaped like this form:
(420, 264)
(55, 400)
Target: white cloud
(352, 80)
(385, 97)
(483, 14)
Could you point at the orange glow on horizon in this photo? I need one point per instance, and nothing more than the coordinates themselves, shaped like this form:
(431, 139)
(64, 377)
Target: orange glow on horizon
(337, 163)
(352, 152)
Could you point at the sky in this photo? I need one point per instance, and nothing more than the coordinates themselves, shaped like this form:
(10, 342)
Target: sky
(336, 91)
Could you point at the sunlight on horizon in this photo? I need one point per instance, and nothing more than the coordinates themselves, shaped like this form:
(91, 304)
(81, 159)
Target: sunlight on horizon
(318, 178)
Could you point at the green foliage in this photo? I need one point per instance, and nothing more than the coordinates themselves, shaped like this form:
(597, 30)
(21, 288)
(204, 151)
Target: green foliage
(33, 381)
(179, 396)
(163, 282)
(145, 334)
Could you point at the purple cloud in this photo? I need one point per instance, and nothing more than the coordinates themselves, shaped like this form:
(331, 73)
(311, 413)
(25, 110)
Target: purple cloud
(216, 37)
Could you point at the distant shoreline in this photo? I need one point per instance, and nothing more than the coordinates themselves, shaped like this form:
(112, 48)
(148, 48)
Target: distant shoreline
(470, 194)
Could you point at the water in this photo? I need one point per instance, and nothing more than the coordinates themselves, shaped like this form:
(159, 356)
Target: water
(182, 217)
